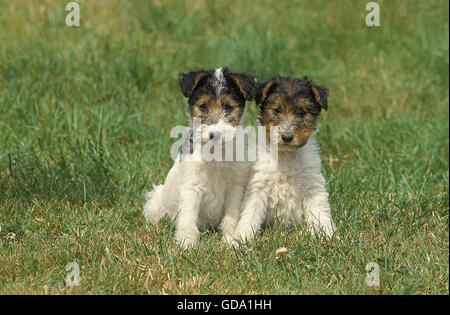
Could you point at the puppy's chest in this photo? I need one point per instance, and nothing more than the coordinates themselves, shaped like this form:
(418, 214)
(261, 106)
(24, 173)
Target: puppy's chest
(220, 175)
(217, 178)
(217, 183)
(214, 182)
(286, 188)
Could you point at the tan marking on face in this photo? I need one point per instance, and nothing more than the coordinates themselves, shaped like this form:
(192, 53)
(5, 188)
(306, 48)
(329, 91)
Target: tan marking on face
(210, 109)
(316, 95)
(197, 79)
(290, 115)
(266, 90)
(321, 98)
(240, 85)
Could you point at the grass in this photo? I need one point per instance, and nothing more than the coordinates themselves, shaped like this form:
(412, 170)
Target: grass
(85, 115)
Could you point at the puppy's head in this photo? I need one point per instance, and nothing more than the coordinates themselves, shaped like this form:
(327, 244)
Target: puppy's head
(217, 98)
(292, 106)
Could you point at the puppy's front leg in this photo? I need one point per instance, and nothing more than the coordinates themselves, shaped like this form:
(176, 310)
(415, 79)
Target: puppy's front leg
(233, 202)
(318, 214)
(187, 232)
(253, 214)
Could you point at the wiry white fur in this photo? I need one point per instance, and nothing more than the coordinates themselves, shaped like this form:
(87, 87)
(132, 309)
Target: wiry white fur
(199, 195)
(222, 128)
(294, 192)
(219, 81)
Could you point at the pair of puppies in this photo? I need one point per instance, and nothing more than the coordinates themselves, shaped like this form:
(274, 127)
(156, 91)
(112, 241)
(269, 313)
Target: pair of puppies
(239, 197)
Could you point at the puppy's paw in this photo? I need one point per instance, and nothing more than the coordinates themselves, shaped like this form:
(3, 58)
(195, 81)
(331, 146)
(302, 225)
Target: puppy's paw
(228, 226)
(329, 232)
(153, 211)
(325, 232)
(244, 234)
(230, 240)
(152, 215)
(187, 238)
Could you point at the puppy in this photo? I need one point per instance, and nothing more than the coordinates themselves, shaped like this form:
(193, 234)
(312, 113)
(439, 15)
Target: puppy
(200, 194)
(296, 190)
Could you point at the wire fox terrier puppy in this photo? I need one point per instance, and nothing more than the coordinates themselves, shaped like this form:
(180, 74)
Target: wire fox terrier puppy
(296, 190)
(197, 193)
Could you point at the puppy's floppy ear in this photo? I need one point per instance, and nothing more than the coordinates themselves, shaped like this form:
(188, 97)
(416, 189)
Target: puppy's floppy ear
(264, 89)
(320, 95)
(189, 81)
(246, 84)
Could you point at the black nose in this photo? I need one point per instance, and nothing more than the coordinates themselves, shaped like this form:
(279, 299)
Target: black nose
(287, 137)
(214, 135)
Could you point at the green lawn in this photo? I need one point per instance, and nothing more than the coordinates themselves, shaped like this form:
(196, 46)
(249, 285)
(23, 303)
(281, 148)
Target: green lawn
(85, 116)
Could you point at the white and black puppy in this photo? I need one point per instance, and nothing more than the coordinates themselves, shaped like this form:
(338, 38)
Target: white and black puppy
(201, 194)
(294, 191)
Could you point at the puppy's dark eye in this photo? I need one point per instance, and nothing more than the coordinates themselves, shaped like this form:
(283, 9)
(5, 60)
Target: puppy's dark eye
(202, 107)
(277, 111)
(300, 112)
(228, 107)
